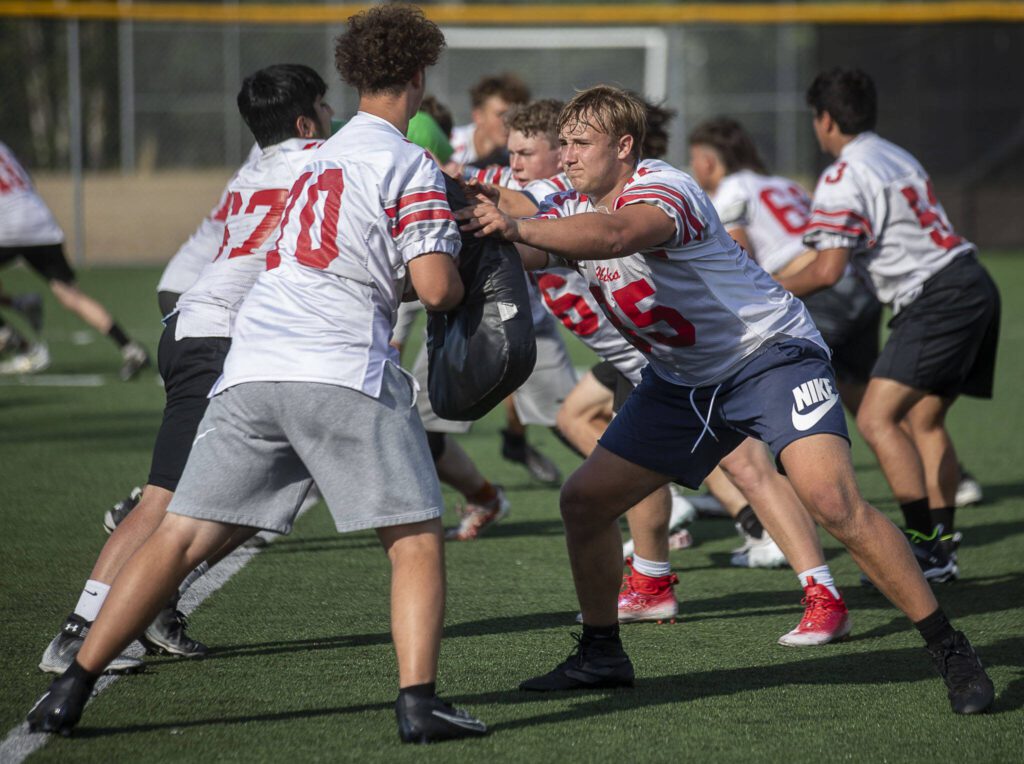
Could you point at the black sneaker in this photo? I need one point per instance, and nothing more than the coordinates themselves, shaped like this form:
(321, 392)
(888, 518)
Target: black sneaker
(933, 555)
(430, 720)
(970, 689)
(516, 449)
(119, 511)
(166, 636)
(63, 648)
(61, 706)
(594, 663)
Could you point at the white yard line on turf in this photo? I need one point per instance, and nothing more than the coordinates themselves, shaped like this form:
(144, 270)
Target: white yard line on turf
(56, 380)
(20, 743)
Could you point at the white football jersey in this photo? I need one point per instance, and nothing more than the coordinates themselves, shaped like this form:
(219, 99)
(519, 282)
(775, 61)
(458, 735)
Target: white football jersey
(183, 268)
(255, 203)
(25, 220)
(695, 306)
(495, 174)
(463, 148)
(877, 200)
(771, 210)
(367, 203)
(539, 190)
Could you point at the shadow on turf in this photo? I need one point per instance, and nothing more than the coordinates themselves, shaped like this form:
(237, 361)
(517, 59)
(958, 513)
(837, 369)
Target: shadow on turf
(883, 667)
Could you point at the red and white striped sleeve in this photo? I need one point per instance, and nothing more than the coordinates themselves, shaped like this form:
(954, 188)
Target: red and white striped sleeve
(420, 218)
(561, 204)
(840, 214)
(661, 190)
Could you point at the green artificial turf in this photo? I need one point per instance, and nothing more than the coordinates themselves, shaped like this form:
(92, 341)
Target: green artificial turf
(302, 667)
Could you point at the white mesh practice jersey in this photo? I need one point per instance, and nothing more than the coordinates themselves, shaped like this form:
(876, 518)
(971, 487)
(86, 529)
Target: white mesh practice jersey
(696, 306)
(539, 190)
(495, 174)
(183, 268)
(255, 203)
(367, 203)
(877, 200)
(771, 210)
(463, 148)
(25, 220)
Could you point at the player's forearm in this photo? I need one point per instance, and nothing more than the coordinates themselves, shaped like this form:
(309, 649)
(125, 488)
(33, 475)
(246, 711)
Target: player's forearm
(823, 272)
(516, 203)
(590, 236)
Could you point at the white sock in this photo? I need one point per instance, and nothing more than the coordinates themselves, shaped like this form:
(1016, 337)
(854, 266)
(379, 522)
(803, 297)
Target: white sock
(821, 575)
(91, 601)
(192, 577)
(651, 568)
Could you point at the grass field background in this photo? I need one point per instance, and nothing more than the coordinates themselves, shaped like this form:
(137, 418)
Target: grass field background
(302, 667)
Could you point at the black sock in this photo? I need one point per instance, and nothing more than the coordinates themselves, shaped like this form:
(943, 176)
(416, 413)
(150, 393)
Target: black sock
(935, 629)
(749, 523)
(77, 672)
(426, 690)
(917, 516)
(600, 632)
(943, 515)
(514, 438)
(117, 334)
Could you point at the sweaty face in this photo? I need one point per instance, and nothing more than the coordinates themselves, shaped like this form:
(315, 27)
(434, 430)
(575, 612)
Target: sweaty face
(490, 120)
(589, 158)
(532, 157)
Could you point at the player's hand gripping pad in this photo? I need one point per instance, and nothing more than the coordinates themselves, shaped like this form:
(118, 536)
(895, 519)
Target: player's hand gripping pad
(484, 349)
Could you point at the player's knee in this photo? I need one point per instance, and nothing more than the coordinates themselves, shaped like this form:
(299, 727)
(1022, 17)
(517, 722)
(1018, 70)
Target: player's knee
(837, 507)
(576, 503)
(872, 425)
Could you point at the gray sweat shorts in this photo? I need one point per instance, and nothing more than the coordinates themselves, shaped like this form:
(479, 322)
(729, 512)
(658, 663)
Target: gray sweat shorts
(261, 445)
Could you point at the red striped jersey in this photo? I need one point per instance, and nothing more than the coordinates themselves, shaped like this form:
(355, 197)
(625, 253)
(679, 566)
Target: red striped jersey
(696, 306)
(771, 210)
(184, 266)
(252, 213)
(366, 204)
(877, 201)
(25, 220)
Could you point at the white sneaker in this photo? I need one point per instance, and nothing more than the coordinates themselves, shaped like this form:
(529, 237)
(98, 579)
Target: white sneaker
(968, 491)
(707, 505)
(36, 358)
(757, 553)
(683, 513)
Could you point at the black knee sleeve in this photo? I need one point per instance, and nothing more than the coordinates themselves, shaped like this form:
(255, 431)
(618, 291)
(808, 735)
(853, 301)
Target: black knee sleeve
(436, 441)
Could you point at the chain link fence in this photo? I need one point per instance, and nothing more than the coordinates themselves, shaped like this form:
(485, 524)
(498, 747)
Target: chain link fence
(131, 127)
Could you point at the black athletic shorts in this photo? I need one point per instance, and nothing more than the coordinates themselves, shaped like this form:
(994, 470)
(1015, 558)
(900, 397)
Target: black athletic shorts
(610, 377)
(944, 342)
(189, 368)
(849, 318)
(47, 260)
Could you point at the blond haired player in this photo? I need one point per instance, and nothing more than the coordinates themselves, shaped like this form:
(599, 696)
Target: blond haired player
(744, 361)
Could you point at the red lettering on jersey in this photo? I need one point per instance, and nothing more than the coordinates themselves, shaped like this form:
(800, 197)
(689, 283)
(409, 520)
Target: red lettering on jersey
(790, 207)
(271, 198)
(930, 216)
(331, 183)
(563, 306)
(840, 168)
(627, 299)
(10, 178)
(605, 274)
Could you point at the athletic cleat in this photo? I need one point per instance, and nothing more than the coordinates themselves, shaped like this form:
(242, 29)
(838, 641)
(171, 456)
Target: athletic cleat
(933, 555)
(593, 664)
(683, 511)
(825, 619)
(950, 544)
(166, 636)
(647, 598)
(430, 720)
(117, 513)
(61, 706)
(34, 358)
(970, 689)
(680, 540)
(539, 466)
(757, 553)
(476, 517)
(62, 650)
(135, 359)
(968, 491)
(30, 305)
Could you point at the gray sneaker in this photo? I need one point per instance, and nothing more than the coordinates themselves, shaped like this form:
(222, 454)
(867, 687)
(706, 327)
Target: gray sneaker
(61, 652)
(135, 360)
(119, 511)
(166, 635)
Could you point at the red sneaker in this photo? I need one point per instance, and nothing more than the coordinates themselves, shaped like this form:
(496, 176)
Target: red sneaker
(825, 620)
(647, 598)
(474, 518)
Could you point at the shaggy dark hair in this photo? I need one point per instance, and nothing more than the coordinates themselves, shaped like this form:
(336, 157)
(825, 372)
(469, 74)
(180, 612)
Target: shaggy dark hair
(848, 95)
(655, 144)
(272, 99)
(733, 144)
(383, 48)
(508, 87)
(537, 118)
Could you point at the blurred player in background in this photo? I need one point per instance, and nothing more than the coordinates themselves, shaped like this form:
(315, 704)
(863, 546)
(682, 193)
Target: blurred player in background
(311, 389)
(483, 141)
(283, 106)
(875, 208)
(746, 361)
(28, 230)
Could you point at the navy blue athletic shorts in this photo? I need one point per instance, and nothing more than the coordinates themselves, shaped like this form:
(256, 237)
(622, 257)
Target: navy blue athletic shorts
(785, 392)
